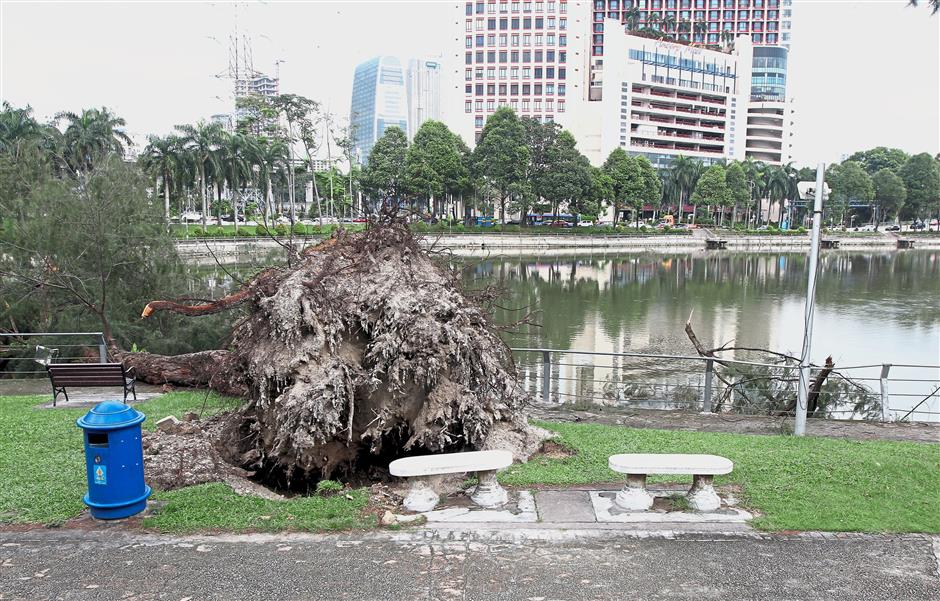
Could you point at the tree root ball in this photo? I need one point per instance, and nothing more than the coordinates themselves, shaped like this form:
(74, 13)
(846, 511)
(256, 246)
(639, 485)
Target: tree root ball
(364, 350)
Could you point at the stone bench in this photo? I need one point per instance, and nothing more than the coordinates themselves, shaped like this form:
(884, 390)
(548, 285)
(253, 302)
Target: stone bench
(423, 497)
(702, 468)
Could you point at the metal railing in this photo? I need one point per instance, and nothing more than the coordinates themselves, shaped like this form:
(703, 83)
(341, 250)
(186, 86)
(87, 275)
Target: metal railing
(21, 355)
(585, 379)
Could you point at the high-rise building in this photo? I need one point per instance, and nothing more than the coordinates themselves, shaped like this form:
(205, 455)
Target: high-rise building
(525, 55)
(423, 83)
(379, 101)
(256, 83)
(713, 23)
(663, 99)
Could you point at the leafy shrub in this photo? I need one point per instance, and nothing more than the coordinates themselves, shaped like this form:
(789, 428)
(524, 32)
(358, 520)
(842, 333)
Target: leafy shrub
(300, 229)
(281, 229)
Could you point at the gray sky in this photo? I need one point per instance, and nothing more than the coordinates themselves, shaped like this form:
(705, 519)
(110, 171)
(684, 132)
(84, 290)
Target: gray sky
(863, 74)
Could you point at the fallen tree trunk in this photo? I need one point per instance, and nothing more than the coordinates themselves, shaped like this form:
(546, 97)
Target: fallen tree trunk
(363, 350)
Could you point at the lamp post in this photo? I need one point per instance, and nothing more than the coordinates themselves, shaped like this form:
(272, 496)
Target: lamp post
(799, 427)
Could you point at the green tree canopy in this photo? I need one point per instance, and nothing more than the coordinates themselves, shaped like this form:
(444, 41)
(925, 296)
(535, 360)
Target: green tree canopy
(921, 175)
(738, 188)
(879, 158)
(890, 194)
(433, 162)
(384, 176)
(848, 182)
(568, 175)
(501, 157)
(712, 188)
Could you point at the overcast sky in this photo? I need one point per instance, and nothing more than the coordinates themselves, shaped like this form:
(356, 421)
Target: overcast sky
(862, 74)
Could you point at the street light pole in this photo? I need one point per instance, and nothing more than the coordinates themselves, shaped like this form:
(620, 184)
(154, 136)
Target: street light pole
(799, 427)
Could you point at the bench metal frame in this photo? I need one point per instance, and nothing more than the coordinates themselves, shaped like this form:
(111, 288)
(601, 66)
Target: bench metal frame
(63, 371)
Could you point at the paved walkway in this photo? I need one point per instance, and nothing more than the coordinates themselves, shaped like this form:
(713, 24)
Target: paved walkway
(471, 565)
(78, 397)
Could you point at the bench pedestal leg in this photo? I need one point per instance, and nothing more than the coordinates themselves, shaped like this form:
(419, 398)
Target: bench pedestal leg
(489, 493)
(702, 495)
(422, 496)
(634, 496)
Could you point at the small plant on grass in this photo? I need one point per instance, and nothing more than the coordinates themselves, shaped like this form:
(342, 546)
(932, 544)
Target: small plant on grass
(281, 229)
(328, 488)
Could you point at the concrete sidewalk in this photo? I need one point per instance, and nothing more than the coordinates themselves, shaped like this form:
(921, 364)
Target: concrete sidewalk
(475, 564)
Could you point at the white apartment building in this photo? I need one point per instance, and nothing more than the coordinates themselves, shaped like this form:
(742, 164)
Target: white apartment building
(662, 99)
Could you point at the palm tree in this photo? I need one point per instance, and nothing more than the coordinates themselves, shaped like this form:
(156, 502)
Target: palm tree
(241, 153)
(202, 142)
(727, 38)
(632, 18)
(272, 162)
(699, 28)
(669, 24)
(90, 135)
(754, 173)
(162, 159)
(685, 172)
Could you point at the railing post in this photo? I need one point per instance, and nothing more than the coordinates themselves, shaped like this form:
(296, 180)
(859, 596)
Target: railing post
(885, 414)
(546, 376)
(707, 397)
(102, 350)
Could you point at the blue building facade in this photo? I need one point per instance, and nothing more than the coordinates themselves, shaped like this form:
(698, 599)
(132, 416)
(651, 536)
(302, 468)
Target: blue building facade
(769, 74)
(379, 101)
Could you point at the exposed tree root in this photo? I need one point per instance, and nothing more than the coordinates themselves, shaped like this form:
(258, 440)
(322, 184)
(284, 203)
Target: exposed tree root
(364, 349)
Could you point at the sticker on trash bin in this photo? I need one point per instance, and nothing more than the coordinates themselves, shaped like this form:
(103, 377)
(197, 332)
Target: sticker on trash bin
(101, 474)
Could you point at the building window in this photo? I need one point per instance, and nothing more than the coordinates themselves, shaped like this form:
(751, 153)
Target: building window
(478, 105)
(562, 40)
(468, 74)
(514, 89)
(502, 72)
(526, 73)
(468, 106)
(469, 41)
(561, 106)
(561, 89)
(478, 121)
(514, 73)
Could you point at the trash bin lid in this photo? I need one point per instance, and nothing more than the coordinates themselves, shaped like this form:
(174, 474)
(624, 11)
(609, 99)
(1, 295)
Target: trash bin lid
(110, 415)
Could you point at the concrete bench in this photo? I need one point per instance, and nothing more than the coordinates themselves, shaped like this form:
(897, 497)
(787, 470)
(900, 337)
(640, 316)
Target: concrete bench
(423, 497)
(702, 468)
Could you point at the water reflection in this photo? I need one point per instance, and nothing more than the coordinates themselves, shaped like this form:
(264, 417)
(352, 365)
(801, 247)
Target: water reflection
(871, 308)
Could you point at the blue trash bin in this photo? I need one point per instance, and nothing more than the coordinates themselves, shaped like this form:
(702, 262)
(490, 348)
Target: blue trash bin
(114, 460)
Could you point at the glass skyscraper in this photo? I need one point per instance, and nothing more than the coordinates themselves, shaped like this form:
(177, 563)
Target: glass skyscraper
(379, 102)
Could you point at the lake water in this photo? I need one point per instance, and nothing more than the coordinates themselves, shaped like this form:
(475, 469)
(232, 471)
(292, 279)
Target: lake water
(872, 308)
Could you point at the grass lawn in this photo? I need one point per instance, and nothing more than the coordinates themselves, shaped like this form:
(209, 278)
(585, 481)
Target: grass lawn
(42, 472)
(796, 483)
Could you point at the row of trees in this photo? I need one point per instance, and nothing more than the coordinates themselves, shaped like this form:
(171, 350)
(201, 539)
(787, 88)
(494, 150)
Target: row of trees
(884, 184)
(253, 167)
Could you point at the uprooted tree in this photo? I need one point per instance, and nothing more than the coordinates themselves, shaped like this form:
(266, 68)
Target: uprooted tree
(365, 348)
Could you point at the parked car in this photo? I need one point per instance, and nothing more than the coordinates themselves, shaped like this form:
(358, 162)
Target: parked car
(585, 224)
(893, 228)
(560, 223)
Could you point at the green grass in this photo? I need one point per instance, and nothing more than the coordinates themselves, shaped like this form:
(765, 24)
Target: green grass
(796, 483)
(42, 477)
(214, 507)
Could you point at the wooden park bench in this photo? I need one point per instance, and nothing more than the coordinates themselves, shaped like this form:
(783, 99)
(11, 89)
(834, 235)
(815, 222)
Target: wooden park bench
(74, 375)
(422, 469)
(702, 468)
